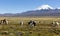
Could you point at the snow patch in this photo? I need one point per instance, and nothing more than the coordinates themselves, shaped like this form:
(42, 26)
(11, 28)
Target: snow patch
(44, 7)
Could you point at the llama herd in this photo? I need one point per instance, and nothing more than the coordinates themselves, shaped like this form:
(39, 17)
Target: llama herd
(30, 23)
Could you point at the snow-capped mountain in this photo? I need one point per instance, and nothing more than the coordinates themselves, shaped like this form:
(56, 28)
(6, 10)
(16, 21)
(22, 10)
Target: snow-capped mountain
(38, 12)
(44, 7)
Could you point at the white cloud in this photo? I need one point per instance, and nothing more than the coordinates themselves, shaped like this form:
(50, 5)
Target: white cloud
(44, 7)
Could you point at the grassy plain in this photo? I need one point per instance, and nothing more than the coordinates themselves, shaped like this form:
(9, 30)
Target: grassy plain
(43, 26)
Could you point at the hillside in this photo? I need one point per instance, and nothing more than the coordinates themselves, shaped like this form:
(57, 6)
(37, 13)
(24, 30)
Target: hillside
(43, 12)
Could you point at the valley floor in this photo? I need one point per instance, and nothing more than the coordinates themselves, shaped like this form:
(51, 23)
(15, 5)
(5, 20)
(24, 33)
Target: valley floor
(43, 27)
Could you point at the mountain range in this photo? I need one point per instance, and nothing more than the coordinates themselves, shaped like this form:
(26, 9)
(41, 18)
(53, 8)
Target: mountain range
(44, 10)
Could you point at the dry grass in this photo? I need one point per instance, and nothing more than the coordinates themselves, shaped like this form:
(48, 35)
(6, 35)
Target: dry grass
(43, 28)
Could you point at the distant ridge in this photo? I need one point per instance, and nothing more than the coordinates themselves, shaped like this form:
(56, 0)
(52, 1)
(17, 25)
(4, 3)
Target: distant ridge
(44, 10)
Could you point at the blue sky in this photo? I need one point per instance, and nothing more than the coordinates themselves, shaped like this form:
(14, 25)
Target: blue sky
(18, 6)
